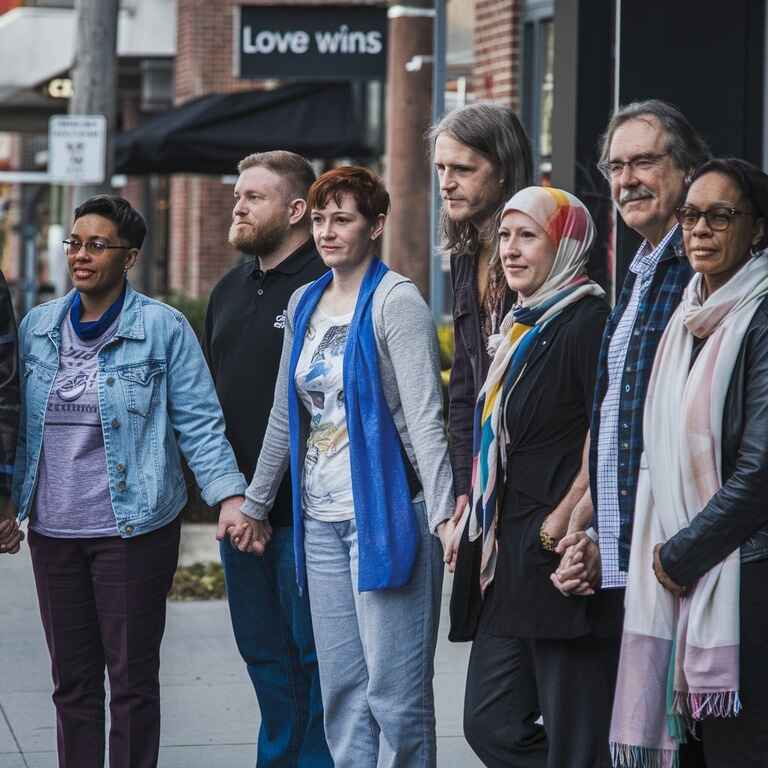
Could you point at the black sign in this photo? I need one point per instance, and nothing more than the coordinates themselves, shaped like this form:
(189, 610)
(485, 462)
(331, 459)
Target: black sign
(322, 42)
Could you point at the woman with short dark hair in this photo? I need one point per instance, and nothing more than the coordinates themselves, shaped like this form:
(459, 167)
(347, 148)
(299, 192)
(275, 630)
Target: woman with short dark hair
(696, 636)
(358, 413)
(114, 387)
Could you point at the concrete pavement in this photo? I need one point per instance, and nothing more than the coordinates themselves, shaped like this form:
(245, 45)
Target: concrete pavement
(210, 716)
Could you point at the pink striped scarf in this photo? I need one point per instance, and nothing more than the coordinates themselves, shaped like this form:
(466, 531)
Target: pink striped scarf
(680, 656)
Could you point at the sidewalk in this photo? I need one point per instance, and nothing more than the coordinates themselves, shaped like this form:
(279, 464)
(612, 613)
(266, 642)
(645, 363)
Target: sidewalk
(210, 716)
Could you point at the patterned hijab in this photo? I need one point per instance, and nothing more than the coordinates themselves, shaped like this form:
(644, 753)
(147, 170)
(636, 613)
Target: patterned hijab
(569, 226)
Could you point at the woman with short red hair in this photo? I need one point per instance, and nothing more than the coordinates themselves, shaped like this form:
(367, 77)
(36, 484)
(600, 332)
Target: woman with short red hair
(358, 413)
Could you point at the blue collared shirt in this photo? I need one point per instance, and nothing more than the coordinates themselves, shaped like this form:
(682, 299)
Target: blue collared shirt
(651, 293)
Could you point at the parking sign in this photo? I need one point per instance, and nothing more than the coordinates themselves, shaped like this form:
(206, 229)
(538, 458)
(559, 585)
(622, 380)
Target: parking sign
(77, 149)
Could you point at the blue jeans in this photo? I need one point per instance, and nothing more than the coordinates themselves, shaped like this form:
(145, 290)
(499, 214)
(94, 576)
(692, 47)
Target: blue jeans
(273, 630)
(376, 651)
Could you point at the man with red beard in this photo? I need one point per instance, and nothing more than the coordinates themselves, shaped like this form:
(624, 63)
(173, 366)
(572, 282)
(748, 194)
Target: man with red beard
(243, 342)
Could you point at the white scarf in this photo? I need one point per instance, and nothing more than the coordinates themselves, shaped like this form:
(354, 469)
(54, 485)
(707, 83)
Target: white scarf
(680, 656)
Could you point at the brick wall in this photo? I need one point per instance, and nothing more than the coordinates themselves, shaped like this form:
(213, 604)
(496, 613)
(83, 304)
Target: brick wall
(201, 206)
(497, 51)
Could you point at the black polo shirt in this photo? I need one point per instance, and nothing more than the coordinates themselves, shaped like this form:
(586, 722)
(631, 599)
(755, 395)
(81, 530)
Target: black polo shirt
(243, 340)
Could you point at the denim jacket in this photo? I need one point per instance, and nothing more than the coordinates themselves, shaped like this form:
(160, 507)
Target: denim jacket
(155, 395)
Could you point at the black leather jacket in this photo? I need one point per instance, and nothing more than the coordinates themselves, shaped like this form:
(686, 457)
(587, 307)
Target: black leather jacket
(9, 388)
(737, 515)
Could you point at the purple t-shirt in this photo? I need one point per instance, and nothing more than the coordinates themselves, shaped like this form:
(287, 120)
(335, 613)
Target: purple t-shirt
(72, 499)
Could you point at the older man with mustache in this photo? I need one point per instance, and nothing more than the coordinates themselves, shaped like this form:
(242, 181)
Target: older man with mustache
(648, 151)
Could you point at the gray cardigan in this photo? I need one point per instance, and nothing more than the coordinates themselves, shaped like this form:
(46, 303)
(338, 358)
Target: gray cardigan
(409, 363)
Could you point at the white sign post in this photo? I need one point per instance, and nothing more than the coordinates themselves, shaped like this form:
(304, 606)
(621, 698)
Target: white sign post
(77, 149)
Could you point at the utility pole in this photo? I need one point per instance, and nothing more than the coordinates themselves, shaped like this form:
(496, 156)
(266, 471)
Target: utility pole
(409, 114)
(94, 76)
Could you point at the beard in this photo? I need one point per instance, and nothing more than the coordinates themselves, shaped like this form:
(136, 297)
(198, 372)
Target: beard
(259, 240)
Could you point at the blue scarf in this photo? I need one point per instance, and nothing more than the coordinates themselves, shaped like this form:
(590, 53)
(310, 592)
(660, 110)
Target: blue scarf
(94, 328)
(387, 534)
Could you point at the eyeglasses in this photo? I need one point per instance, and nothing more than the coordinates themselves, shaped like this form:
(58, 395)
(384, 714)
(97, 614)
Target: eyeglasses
(92, 247)
(612, 169)
(718, 219)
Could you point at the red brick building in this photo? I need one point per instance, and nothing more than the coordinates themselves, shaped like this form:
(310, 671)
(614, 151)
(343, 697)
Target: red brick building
(484, 62)
(496, 73)
(201, 206)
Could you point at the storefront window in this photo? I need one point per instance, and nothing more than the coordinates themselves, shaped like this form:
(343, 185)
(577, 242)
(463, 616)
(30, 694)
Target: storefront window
(538, 83)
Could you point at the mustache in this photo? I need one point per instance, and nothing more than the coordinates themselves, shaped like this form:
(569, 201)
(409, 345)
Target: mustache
(637, 193)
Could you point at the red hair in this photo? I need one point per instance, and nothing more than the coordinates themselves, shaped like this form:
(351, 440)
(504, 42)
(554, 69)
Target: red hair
(366, 188)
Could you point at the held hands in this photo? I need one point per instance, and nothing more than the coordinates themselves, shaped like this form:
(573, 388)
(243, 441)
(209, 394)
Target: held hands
(450, 533)
(245, 533)
(662, 577)
(11, 535)
(579, 569)
(445, 533)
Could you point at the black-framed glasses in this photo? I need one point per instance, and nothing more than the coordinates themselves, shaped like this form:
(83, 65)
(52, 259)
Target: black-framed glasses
(92, 247)
(718, 219)
(612, 169)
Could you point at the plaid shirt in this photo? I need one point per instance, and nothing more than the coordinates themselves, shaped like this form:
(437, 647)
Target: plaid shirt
(654, 309)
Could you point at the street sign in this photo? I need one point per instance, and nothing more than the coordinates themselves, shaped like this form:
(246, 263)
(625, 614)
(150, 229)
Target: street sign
(323, 42)
(77, 149)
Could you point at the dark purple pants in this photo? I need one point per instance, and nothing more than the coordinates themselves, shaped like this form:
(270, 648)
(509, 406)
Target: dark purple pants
(102, 602)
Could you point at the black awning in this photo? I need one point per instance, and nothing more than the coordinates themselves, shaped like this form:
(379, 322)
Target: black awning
(212, 133)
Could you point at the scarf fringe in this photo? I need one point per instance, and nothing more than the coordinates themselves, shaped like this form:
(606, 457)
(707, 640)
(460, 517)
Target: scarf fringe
(628, 756)
(698, 706)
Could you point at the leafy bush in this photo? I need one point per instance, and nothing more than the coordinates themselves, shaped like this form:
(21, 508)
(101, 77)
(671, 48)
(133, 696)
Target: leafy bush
(201, 581)
(445, 339)
(193, 309)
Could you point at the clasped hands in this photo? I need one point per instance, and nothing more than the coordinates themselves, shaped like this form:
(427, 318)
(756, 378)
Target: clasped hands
(245, 533)
(579, 569)
(11, 535)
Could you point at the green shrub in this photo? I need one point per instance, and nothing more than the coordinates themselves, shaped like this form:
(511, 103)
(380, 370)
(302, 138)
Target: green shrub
(193, 309)
(201, 581)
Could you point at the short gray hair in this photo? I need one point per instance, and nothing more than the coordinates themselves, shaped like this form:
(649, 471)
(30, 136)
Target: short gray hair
(686, 146)
(495, 132)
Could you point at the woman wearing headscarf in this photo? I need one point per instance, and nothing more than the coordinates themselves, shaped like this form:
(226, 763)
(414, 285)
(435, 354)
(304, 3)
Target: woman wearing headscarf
(695, 637)
(531, 420)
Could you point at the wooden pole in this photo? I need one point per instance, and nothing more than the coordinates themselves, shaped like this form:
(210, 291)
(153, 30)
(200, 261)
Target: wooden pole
(94, 77)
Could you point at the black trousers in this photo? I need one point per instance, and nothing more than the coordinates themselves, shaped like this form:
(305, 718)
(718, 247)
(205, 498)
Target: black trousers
(102, 602)
(570, 683)
(742, 742)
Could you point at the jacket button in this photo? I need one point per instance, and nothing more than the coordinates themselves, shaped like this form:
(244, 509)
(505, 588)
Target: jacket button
(115, 423)
(129, 529)
(110, 382)
(120, 468)
(121, 486)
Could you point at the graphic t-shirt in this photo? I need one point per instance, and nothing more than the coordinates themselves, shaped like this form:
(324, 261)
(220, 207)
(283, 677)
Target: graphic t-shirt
(327, 478)
(72, 498)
